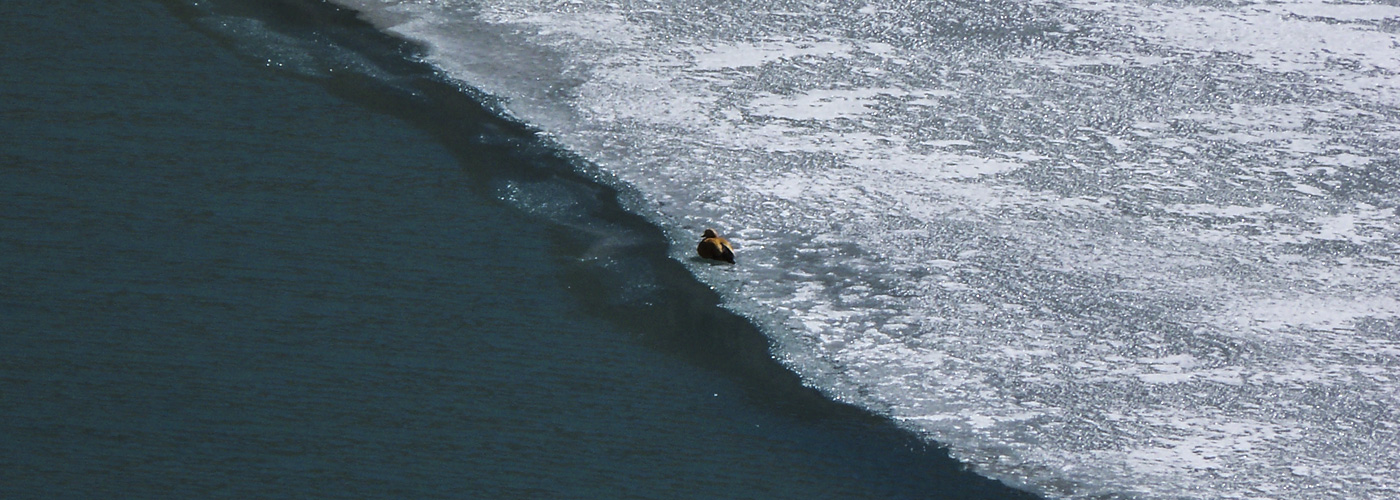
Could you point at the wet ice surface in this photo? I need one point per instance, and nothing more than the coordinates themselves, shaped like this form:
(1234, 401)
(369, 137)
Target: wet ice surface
(1096, 248)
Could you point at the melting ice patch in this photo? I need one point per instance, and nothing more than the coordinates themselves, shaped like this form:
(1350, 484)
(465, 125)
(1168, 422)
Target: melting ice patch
(1109, 248)
(740, 55)
(818, 104)
(1344, 41)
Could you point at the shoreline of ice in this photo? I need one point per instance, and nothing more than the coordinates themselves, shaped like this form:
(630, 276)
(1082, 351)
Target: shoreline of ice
(1103, 248)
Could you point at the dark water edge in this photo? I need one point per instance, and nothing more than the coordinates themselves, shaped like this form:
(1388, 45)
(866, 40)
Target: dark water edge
(224, 279)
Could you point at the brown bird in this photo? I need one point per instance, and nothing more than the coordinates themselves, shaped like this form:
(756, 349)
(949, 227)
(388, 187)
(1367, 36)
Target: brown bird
(714, 247)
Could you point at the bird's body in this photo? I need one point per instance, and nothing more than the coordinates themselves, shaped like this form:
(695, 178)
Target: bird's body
(714, 247)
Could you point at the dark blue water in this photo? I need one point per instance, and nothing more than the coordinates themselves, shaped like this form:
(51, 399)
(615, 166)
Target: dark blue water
(220, 279)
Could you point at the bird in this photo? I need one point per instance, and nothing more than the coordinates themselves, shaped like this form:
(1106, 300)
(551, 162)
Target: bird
(714, 247)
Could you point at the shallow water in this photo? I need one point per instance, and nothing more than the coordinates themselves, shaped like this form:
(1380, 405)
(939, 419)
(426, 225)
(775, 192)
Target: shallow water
(229, 277)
